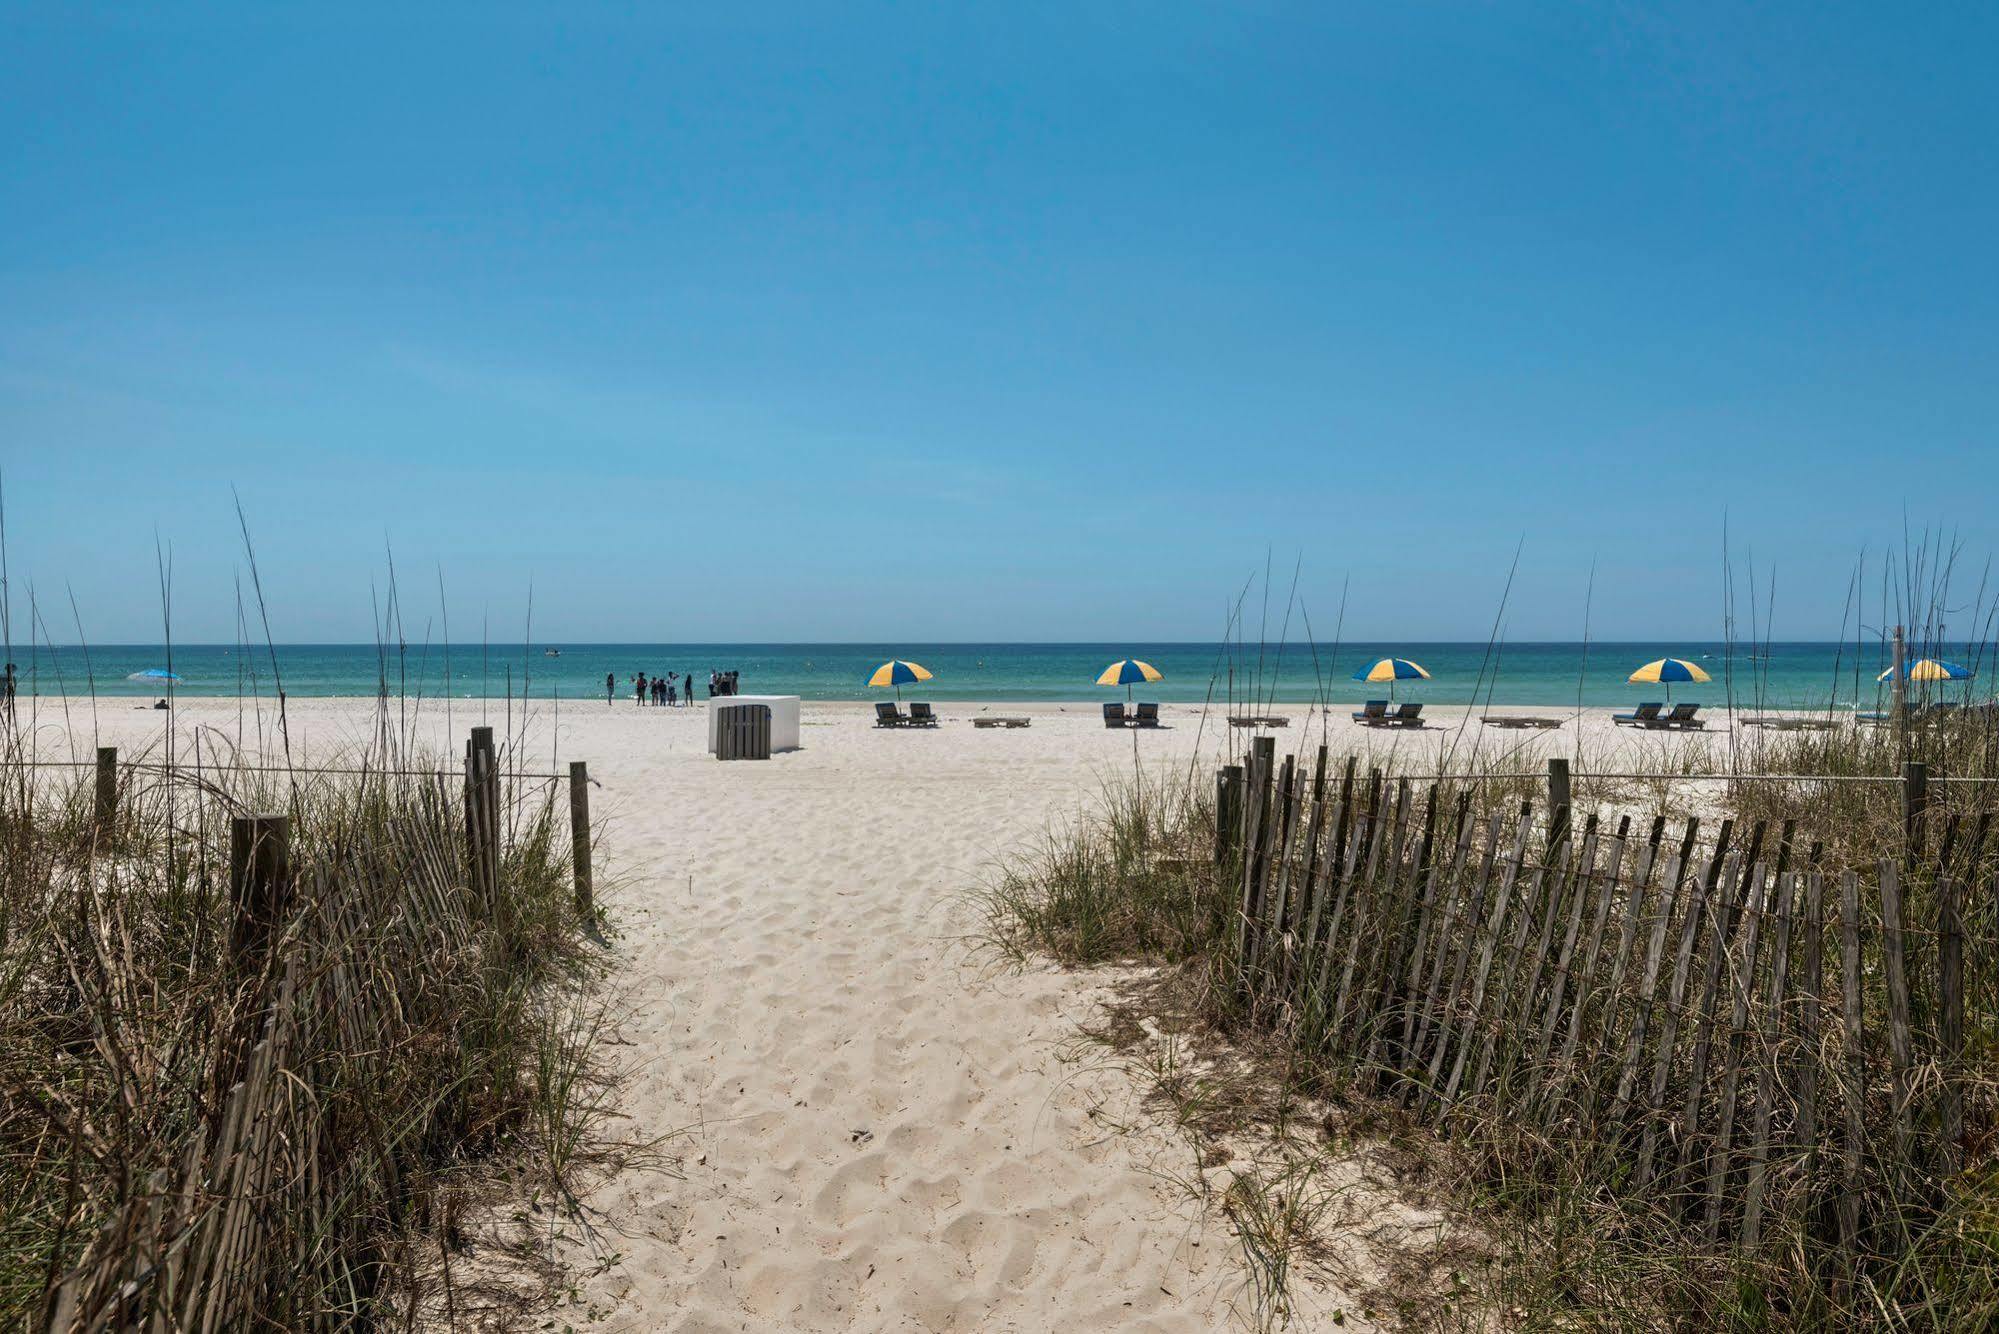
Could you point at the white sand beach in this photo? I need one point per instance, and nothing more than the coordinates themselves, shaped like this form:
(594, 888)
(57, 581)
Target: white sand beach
(880, 1125)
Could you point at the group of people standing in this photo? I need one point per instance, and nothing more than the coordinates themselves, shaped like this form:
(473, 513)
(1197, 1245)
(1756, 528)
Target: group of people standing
(668, 691)
(665, 691)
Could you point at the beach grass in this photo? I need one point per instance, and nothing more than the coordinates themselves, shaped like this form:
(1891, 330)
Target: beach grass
(415, 1038)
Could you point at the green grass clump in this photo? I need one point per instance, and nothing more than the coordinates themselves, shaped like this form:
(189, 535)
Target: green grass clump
(1135, 879)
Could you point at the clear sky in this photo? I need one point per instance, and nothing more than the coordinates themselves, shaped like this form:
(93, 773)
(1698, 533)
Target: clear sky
(1012, 321)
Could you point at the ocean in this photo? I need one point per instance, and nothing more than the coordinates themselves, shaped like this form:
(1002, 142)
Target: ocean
(1798, 675)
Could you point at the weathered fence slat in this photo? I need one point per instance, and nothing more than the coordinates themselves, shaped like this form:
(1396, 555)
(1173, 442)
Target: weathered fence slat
(1810, 1021)
(1901, 1047)
(1950, 1024)
(1853, 1143)
(1769, 1060)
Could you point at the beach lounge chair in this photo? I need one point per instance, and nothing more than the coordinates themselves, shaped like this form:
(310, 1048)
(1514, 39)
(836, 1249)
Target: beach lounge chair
(1645, 715)
(1000, 720)
(1147, 716)
(1519, 721)
(1115, 716)
(888, 715)
(921, 716)
(1682, 718)
(1374, 713)
(1259, 720)
(1784, 723)
(1409, 715)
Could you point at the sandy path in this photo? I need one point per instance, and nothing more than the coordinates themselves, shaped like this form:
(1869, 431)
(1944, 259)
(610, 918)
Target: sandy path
(884, 1134)
(881, 1129)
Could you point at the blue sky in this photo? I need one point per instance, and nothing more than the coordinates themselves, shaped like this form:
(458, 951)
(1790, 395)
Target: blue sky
(808, 322)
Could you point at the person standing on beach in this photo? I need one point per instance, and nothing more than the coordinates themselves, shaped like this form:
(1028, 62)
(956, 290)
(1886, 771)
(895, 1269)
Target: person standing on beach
(610, 686)
(9, 689)
(672, 695)
(639, 688)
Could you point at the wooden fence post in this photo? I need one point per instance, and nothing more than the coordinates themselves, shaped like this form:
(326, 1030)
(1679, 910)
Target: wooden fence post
(1255, 839)
(1558, 796)
(1915, 800)
(260, 880)
(1228, 812)
(579, 837)
(107, 786)
(1898, 693)
(482, 815)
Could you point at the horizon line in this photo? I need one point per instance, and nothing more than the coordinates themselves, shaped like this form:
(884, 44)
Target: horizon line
(957, 643)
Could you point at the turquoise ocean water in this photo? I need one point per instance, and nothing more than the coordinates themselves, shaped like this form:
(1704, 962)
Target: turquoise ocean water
(1776, 676)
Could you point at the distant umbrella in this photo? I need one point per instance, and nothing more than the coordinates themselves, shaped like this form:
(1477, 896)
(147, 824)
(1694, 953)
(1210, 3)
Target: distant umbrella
(1391, 670)
(1668, 669)
(1931, 669)
(1665, 671)
(895, 672)
(1128, 672)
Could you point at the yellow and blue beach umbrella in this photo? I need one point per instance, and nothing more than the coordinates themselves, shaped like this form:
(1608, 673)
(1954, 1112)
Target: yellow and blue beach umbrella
(895, 672)
(1128, 672)
(1931, 669)
(1391, 670)
(1665, 671)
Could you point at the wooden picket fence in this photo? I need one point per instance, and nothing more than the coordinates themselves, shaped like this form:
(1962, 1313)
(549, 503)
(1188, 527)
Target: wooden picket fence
(1710, 1027)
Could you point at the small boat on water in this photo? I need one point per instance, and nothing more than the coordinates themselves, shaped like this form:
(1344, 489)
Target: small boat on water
(551, 653)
